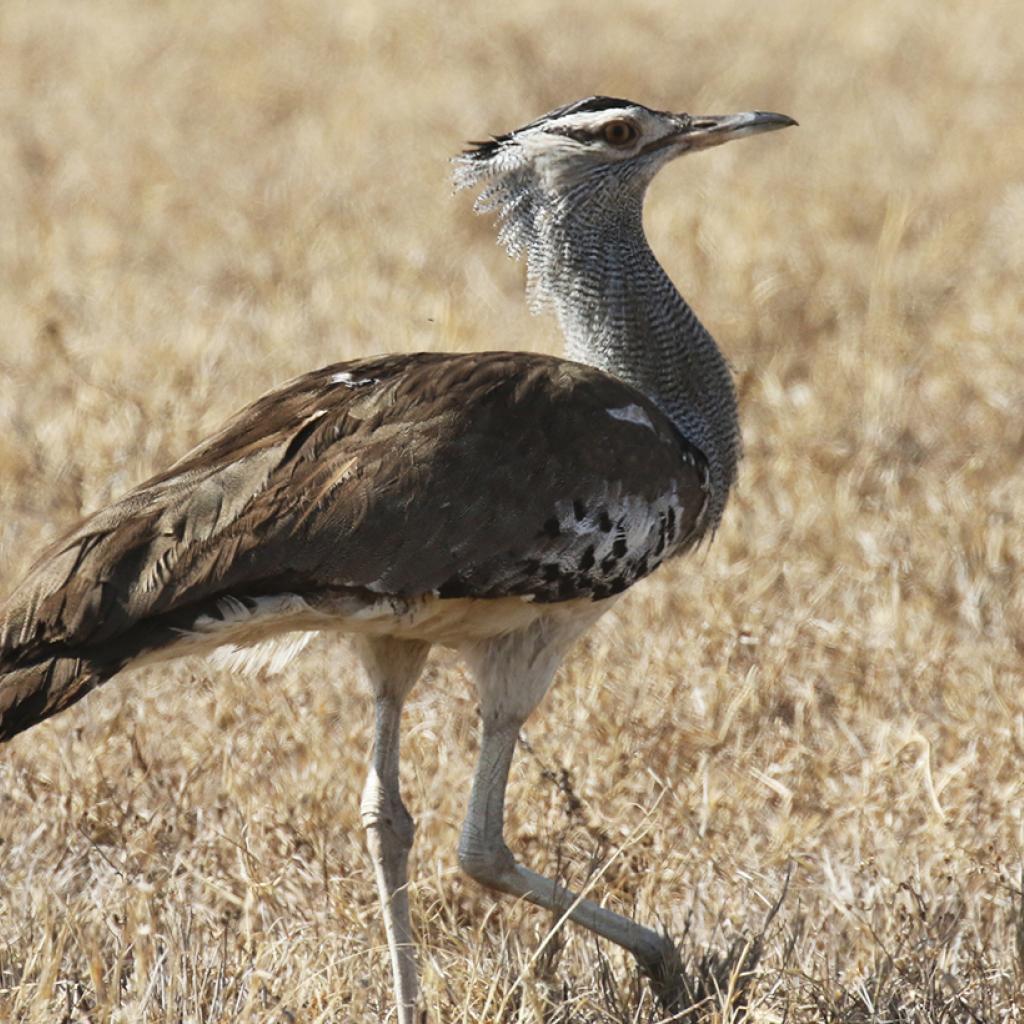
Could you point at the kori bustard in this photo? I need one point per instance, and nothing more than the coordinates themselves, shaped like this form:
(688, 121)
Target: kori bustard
(495, 502)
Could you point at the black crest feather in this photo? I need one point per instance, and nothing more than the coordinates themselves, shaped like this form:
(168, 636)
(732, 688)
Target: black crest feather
(591, 105)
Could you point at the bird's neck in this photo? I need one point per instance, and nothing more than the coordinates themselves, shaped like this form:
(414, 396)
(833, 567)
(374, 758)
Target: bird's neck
(620, 312)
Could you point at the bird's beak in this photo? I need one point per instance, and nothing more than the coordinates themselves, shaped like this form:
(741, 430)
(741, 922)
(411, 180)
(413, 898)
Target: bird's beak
(714, 129)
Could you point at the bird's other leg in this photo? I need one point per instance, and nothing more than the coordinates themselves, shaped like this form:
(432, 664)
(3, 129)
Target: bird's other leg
(391, 667)
(511, 679)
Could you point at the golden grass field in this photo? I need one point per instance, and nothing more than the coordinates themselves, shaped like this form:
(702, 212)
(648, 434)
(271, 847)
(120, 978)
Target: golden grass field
(200, 201)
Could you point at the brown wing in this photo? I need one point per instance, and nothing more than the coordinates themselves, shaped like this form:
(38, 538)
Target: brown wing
(462, 475)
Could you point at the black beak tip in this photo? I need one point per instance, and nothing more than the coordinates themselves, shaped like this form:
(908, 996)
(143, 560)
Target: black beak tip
(782, 120)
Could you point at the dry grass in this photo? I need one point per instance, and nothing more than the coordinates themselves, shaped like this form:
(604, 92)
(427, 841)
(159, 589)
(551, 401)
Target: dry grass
(201, 200)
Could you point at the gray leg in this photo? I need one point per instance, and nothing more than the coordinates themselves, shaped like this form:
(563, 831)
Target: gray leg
(512, 677)
(391, 667)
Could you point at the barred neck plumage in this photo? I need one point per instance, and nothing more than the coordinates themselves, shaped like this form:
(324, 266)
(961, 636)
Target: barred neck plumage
(568, 190)
(590, 261)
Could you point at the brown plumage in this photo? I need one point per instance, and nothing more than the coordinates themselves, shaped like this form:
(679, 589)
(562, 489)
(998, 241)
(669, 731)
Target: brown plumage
(403, 479)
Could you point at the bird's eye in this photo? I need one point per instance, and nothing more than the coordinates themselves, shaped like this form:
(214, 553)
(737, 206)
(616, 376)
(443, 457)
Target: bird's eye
(619, 133)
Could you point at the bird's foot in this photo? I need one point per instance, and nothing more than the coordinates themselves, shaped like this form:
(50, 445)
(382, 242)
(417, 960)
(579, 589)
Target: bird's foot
(663, 967)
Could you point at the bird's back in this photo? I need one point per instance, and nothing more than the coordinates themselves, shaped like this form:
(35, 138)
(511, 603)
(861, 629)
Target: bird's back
(476, 476)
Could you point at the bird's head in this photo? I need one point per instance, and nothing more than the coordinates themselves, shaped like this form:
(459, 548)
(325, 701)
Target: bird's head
(596, 153)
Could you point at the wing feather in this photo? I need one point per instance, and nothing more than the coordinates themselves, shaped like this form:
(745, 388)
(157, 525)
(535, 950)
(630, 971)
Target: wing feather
(488, 475)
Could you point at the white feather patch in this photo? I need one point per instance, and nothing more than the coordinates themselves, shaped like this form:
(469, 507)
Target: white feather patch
(632, 414)
(350, 381)
(253, 635)
(273, 656)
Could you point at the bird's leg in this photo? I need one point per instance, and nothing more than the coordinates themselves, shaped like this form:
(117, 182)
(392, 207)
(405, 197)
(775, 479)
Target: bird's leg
(510, 686)
(392, 667)
(484, 855)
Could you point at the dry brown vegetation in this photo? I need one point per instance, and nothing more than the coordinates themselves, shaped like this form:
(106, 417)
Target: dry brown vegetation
(200, 201)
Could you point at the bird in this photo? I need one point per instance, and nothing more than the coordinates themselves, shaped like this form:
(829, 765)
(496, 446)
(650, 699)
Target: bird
(495, 502)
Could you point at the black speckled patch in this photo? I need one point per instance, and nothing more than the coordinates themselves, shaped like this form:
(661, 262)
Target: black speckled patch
(662, 529)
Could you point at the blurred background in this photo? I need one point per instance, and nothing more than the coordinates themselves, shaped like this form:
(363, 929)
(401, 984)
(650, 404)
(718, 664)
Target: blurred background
(201, 200)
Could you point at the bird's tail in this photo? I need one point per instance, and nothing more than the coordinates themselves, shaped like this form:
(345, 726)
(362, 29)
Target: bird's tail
(40, 678)
(44, 686)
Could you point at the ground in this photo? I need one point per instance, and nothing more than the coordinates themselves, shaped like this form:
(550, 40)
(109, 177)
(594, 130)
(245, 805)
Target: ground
(203, 200)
